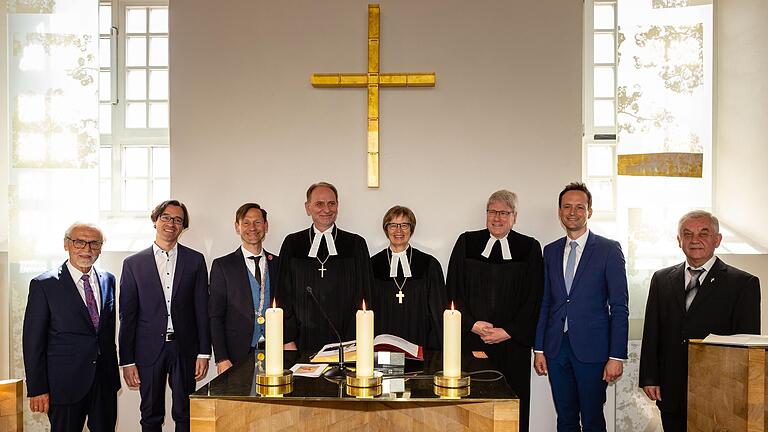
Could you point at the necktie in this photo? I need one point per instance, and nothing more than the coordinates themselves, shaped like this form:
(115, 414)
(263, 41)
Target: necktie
(570, 267)
(693, 286)
(257, 270)
(90, 301)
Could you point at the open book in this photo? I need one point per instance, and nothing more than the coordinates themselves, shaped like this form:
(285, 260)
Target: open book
(383, 342)
(737, 339)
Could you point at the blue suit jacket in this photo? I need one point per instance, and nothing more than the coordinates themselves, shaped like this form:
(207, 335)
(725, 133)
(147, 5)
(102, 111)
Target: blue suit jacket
(143, 314)
(596, 308)
(61, 347)
(231, 304)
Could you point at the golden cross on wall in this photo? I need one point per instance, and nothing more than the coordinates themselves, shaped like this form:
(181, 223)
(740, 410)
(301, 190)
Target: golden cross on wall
(373, 80)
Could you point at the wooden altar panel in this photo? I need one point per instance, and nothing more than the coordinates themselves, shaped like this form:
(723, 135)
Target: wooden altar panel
(217, 415)
(11, 408)
(726, 388)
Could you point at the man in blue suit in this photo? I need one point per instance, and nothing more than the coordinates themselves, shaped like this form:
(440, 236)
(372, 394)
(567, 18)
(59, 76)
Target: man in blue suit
(69, 339)
(581, 337)
(242, 288)
(164, 332)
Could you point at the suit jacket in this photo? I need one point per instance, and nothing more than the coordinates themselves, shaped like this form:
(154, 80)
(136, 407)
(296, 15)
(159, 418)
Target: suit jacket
(61, 348)
(728, 302)
(231, 307)
(596, 307)
(143, 314)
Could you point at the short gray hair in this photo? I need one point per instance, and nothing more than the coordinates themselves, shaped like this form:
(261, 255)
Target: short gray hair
(79, 224)
(695, 214)
(505, 197)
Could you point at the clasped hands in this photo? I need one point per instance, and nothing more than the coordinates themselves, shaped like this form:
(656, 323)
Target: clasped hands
(488, 333)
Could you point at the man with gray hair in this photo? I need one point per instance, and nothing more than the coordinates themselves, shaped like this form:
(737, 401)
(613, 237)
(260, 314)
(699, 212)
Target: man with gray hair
(690, 300)
(70, 358)
(496, 277)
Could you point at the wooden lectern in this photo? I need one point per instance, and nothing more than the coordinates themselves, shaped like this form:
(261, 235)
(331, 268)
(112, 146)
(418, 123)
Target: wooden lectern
(726, 388)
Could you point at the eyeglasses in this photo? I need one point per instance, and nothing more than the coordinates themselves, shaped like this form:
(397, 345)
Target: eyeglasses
(500, 213)
(405, 226)
(80, 244)
(168, 218)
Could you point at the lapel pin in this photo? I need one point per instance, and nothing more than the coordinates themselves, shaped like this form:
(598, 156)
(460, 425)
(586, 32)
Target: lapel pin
(711, 280)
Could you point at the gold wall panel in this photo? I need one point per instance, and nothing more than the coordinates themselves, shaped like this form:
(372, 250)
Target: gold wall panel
(661, 164)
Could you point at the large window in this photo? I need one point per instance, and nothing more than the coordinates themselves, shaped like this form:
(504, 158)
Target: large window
(134, 104)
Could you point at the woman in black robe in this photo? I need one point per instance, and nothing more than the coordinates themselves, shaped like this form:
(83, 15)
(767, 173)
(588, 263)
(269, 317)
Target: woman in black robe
(496, 276)
(409, 291)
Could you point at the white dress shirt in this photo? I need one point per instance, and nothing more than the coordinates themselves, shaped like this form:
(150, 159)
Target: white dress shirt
(249, 264)
(707, 266)
(166, 267)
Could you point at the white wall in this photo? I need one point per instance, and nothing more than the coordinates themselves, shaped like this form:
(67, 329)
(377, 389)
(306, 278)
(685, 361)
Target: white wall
(247, 126)
(741, 114)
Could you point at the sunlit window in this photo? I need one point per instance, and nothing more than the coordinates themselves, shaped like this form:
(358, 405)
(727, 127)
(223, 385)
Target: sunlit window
(135, 162)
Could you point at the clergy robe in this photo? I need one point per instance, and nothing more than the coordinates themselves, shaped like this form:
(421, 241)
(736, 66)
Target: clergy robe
(340, 291)
(505, 293)
(419, 318)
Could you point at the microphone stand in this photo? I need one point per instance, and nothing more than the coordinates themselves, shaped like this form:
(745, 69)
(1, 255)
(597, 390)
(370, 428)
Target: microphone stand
(339, 371)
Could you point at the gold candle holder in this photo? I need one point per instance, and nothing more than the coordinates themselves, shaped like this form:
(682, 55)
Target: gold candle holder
(265, 380)
(274, 391)
(364, 392)
(460, 381)
(451, 392)
(364, 381)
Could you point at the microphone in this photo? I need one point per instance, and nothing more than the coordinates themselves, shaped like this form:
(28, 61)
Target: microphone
(336, 371)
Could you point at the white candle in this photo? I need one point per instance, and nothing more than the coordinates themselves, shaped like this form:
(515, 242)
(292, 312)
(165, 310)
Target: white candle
(364, 334)
(452, 342)
(274, 340)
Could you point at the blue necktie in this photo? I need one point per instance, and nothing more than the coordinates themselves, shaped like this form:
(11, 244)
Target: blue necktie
(570, 267)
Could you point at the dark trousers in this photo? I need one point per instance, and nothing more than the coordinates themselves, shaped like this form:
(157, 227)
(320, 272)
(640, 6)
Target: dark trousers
(99, 406)
(514, 361)
(674, 421)
(578, 390)
(179, 372)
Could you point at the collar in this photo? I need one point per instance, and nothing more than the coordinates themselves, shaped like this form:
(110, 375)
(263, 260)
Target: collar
(505, 253)
(581, 240)
(329, 241)
(402, 258)
(77, 274)
(707, 266)
(171, 253)
(247, 253)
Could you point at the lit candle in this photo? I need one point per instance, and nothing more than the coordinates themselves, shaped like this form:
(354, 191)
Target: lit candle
(364, 333)
(274, 340)
(452, 342)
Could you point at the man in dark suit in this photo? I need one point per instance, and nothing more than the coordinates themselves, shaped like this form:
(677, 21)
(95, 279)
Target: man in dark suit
(241, 288)
(69, 339)
(690, 300)
(581, 337)
(164, 332)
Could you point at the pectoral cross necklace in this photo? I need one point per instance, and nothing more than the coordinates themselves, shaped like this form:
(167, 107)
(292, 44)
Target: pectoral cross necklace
(322, 268)
(400, 295)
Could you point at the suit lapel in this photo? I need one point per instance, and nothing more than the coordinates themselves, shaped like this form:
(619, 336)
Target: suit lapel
(178, 271)
(709, 285)
(71, 294)
(558, 258)
(589, 248)
(242, 270)
(677, 284)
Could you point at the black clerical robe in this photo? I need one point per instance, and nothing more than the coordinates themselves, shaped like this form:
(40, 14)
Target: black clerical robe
(346, 281)
(505, 293)
(419, 318)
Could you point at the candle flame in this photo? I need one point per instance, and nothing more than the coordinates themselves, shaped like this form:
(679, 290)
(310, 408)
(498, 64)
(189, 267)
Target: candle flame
(364, 305)
(452, 307)
(274, 303)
